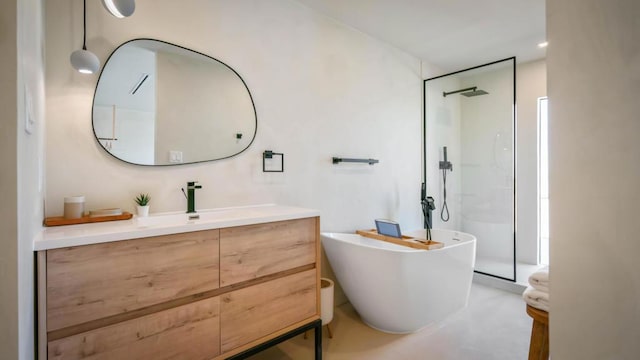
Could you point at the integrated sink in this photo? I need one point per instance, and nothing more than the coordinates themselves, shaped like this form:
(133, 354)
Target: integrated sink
(202, 216)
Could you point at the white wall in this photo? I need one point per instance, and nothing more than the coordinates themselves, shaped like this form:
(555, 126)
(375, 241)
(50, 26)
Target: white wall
(327, 90)
(31, 159)
(22, 160)
(443, 129)
(531, 84)
(8, 180)
(321, 90)
(593, 63)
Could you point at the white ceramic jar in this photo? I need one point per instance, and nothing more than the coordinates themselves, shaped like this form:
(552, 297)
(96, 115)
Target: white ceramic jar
(73, 207)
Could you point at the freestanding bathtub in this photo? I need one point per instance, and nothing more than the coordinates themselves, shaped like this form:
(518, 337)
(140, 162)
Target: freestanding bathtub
(397, 289)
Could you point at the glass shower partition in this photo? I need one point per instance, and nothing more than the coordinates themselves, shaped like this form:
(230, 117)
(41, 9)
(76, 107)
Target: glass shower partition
(469, 118)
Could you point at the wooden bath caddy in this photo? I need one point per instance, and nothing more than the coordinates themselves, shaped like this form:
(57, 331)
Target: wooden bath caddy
(60, 220)
(404, 241)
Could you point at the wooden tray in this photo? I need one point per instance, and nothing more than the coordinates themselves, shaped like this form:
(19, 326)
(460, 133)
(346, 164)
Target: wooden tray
(405, 241)
(60, 220)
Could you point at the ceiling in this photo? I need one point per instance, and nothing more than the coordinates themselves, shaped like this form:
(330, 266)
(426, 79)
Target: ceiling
(451, 34)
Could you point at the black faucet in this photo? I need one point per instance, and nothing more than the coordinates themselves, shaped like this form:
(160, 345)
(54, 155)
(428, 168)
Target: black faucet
(191, 196)
(428, 205)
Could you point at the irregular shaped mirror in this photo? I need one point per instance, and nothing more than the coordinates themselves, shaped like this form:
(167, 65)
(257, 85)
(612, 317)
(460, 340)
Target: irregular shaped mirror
(161, 104)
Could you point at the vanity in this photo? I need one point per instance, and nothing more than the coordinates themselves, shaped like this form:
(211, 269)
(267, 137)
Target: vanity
(166, 286)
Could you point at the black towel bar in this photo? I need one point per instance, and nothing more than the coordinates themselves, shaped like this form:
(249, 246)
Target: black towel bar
(337, 160)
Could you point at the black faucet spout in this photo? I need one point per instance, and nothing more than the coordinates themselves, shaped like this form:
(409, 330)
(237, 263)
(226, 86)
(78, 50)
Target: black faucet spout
(191, 196)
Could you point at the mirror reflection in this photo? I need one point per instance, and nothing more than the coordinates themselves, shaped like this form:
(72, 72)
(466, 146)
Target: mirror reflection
(161, 104)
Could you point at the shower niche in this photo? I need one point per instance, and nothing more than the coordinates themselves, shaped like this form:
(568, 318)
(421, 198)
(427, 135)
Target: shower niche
(469, 155)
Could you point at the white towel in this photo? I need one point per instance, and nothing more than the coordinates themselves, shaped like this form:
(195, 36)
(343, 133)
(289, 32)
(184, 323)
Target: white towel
(536, 298)
(540, 279)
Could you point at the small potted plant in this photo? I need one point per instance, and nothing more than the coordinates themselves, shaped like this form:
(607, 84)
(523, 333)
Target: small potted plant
(143, 204)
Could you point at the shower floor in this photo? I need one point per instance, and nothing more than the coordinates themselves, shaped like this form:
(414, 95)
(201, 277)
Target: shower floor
(504, 268)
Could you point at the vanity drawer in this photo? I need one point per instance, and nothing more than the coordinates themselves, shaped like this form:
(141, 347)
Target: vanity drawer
(190, 332)
(260, 310)
(249, 252)
(91, 282)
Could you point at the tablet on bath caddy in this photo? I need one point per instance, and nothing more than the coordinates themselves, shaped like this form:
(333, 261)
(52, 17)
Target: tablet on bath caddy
(388, 228)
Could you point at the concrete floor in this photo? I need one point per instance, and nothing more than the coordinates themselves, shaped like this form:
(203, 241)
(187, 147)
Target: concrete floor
(494, 326)
(504, 267)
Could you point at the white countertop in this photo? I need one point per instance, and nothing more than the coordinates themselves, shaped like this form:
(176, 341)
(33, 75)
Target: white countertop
(164, 224)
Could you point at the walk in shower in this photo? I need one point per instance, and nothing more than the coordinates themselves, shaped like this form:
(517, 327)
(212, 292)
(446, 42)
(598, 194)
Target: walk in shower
(469, 152)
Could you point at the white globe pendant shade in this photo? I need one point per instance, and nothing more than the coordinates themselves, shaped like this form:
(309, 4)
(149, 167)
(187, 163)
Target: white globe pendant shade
(120, 8)
(85, 61)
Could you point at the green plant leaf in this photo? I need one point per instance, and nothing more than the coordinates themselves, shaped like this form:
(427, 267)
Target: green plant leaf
(143, 199)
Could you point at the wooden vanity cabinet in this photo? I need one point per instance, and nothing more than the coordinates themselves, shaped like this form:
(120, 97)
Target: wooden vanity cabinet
(196, 295)
(92, 282)
(254, 251)
(257, 311)
(189, 331)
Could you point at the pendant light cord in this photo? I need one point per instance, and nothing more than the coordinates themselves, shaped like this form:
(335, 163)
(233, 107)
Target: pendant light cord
(84, 24)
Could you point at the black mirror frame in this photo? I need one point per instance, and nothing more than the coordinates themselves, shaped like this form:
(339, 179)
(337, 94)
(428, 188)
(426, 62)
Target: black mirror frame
(187, 49)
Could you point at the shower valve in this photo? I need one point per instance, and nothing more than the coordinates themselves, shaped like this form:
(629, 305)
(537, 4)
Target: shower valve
(445, 165)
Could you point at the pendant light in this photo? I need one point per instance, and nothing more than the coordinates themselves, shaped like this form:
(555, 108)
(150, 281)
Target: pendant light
(84, 60)
(120, 8)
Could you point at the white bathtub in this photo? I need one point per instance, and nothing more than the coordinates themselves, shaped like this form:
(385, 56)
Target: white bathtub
(397, 289)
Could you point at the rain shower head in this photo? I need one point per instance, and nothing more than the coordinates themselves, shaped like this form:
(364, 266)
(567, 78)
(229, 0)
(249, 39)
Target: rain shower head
(474, 93)
(468, 92)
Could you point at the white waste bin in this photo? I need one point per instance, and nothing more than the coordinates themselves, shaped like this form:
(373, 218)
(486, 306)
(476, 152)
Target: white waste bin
(326, 303)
